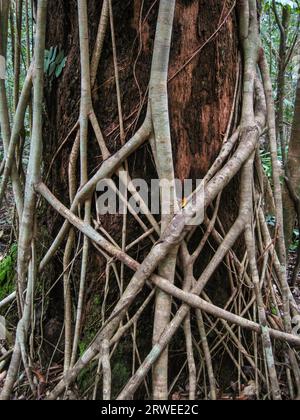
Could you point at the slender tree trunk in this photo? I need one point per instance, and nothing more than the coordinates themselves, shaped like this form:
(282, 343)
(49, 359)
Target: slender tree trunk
(283, 24)
(293, 173)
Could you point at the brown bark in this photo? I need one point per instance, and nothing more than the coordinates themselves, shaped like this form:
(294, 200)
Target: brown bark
(201, 97)
(201, 94)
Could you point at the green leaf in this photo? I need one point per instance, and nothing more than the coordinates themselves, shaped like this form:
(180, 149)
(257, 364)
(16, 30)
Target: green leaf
(54, 54)
(60, 67)
(55, 62)
(7, 271)
(290, 3)
(52, 68)
(50, 58)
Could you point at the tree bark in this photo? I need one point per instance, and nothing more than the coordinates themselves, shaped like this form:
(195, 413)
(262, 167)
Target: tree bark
(202, 77)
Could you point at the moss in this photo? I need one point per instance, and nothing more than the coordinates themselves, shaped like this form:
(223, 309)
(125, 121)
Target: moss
(87, 377)
(92, 324)
(7, 272)
(121, 373)
(86, 341)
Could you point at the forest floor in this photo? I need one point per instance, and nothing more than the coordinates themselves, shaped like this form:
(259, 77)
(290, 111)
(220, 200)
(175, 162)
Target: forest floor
(56, 370)
(6, 238)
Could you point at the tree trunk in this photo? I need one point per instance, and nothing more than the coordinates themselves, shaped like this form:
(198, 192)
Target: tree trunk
(203, 73)
(283, 24)
(168, 89)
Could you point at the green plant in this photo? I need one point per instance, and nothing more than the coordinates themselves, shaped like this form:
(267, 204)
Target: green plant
(55, 62)
(271, 220)
(7, 271)
(295, 244)
(120, 373)
(266, 162)
(86, 378)
(292, 4)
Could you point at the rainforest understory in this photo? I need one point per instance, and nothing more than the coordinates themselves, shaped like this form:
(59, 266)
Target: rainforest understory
(139, 306)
